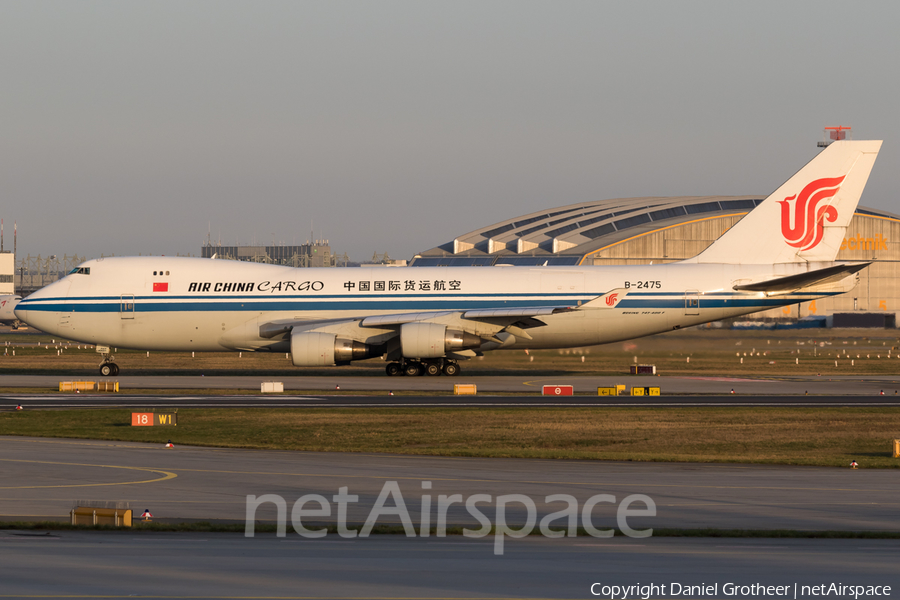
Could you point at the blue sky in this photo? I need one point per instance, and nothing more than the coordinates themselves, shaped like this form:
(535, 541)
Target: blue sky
(131, 127)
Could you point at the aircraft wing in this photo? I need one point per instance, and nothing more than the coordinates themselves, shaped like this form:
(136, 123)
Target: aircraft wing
(610, 299)
(475, 315)
(275, 328)
(524, 316)
(399, 319)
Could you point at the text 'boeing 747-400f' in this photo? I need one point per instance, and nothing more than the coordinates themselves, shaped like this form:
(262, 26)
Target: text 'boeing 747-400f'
(428, 319)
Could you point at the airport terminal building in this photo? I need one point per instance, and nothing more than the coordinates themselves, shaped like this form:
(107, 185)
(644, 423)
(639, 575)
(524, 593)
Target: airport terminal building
(634, 231)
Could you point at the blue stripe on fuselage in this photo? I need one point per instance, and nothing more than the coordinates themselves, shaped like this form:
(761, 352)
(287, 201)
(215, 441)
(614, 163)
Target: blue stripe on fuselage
(287, 305)
(146, 304)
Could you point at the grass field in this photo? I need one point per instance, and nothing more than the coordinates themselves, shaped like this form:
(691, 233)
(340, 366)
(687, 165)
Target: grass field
(693, 351)
(785, 435)
(788, 435)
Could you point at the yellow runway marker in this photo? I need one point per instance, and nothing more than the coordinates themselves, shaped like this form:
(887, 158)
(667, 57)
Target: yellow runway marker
(165, 475)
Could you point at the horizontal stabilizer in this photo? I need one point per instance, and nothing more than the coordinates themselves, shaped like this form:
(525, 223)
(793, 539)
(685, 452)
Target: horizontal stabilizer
(803, 280)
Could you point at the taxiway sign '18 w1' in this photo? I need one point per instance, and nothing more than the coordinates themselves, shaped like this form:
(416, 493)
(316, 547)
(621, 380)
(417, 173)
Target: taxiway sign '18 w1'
(428, 319)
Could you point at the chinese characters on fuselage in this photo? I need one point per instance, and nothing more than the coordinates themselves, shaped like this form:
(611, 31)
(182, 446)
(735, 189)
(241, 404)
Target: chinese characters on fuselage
(409, 285)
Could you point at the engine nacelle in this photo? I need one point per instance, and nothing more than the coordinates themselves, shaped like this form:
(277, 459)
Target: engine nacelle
(432, 340)
(316, 349)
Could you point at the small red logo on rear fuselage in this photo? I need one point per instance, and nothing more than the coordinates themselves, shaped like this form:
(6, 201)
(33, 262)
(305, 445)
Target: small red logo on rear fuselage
(611, 299)
(805, 227)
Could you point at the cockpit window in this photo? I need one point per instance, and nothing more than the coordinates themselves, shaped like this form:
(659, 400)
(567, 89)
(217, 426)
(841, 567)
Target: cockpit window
(80, 271)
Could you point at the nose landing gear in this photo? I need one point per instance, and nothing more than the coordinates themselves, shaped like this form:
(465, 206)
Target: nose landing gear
(108, 367)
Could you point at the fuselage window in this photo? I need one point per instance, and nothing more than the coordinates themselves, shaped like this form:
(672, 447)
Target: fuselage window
(154, 273)
(167, 272)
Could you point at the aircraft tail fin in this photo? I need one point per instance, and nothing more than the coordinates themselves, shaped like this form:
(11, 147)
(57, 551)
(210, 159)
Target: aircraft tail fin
(805, 219)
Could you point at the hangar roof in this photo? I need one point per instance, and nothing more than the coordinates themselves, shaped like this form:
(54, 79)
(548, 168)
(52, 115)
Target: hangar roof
(564, 235)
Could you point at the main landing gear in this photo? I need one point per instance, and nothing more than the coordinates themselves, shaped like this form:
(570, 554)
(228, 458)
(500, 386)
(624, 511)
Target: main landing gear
(428, 367)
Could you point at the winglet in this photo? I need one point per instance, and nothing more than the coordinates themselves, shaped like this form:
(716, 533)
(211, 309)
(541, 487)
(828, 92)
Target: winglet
(610, 299)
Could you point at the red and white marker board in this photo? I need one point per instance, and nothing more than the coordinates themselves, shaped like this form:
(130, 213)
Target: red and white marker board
(558, 390)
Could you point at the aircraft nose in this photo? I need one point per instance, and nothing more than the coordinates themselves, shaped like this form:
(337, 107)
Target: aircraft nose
(41, 309)
(37, 315)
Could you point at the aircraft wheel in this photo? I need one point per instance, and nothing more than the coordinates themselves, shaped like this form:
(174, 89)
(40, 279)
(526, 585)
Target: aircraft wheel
(433, 369)
(392, 369)
(413, 368)
(106, 369)
(115, 369)
(451, 369)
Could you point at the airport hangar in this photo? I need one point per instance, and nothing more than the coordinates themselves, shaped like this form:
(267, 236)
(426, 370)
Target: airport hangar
(637, 231)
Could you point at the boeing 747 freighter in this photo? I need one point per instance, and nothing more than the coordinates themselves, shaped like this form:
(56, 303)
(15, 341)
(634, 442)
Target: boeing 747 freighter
(426, 320)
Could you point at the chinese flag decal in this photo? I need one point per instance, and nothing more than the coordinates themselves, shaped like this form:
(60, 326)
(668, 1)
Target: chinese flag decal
(160, 287)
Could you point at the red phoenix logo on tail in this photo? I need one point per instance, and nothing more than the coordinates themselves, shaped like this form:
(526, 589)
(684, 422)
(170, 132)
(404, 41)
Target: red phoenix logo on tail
(611, 299)
(805, 228)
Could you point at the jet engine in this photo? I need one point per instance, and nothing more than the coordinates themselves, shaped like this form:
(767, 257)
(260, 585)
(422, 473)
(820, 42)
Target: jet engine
(316, 349)
(432, 340)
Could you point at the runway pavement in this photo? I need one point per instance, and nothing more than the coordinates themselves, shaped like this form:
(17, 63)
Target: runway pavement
(516, 384)
(43, 478)
(112, 565)
(10, 402)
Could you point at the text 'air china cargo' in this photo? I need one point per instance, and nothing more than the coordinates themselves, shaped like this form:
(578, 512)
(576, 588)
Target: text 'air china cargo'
(781, 253)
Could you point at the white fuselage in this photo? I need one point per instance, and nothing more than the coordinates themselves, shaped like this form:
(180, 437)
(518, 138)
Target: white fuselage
(192, 304)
